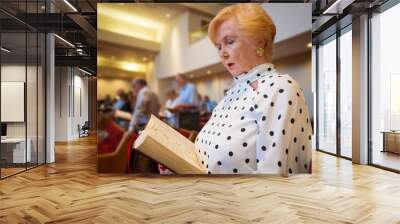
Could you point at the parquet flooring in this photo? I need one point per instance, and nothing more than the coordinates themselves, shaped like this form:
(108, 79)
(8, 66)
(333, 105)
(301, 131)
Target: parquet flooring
(387, 159)
(71, 191)
(10, 171)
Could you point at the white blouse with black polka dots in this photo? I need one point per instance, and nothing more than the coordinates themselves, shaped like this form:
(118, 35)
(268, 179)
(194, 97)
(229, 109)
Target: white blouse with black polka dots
(258, 131)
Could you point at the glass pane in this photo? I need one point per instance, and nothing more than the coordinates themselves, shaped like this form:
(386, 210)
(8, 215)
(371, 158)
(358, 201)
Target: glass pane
(31, 86)
(386, 89)
(346, 94)
(327, 96)
(41, 98)
(31, 97)
(13, 86)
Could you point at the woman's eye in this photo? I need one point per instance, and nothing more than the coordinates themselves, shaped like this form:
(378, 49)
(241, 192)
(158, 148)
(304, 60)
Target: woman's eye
(231, 41)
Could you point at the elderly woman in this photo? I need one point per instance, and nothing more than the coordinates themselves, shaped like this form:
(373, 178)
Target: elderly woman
(261, 126)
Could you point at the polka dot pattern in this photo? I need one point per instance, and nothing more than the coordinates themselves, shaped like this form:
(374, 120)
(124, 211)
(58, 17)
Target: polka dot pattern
(263, 130)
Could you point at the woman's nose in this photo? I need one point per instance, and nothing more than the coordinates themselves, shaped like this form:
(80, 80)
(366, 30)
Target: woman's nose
(223, 54)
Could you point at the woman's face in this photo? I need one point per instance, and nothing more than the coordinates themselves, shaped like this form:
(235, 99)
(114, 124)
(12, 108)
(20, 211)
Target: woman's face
(237, 53)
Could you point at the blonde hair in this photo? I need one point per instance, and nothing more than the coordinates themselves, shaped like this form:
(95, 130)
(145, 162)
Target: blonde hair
(252, 21)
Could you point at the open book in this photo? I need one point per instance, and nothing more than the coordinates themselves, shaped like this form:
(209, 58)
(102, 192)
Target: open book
(168, 147)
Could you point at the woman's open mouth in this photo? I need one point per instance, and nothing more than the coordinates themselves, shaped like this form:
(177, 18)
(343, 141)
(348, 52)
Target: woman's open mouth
(230, 65)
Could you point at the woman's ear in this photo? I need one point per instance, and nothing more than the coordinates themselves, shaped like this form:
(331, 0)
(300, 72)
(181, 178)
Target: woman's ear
(260, 42)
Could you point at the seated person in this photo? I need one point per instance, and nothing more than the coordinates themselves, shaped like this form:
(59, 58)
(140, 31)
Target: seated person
(168, 116)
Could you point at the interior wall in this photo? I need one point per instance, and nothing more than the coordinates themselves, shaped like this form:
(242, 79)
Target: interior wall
(71, 102)
(81, 104)
(110, 86)
(33, 126)
(290, 19)
(213, 85)
(151, 78)
(163, 86)
(62, 112)
(196, 28)
(177, 55)
(17, 73)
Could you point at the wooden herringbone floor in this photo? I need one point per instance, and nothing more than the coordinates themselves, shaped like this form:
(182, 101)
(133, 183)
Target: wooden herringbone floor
(71, 191)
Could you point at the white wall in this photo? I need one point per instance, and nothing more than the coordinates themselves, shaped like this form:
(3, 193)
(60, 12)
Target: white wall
(80, 109)
(62, 81)
(71, 102)
(17, 73)
(290, 19)
(111, 86)
(33, 126)
(213, 85)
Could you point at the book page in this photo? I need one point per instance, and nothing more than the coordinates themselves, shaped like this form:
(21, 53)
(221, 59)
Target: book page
(173, 140)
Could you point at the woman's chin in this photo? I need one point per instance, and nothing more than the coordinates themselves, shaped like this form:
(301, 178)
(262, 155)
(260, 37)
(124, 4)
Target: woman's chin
(235, 73)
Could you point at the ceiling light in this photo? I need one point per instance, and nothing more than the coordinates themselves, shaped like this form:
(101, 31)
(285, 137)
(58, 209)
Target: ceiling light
(309, 45)
(84, 71)
(208, 72)
(5, 50)
(64, 40)
(117, 20)
(113, 57)
(104, 10)
(79, 50)
(70, 5)
(122, 65)
(338, 6)
(43, 7)
(144, 59)
(168, 16)
(134, 67)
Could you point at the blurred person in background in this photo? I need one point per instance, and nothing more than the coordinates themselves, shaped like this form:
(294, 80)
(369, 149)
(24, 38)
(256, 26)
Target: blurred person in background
(187, 97)
(107, 102)
(209, 104)
(132, 99)
(170, 117)
(125, 106)
(119, 102)
(147, 103)
(200, 100)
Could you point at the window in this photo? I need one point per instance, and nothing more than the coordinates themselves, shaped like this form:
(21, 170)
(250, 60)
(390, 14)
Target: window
(385, 89)
(346, 93)
(22, 65)
(327, 96)
(334, 106)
